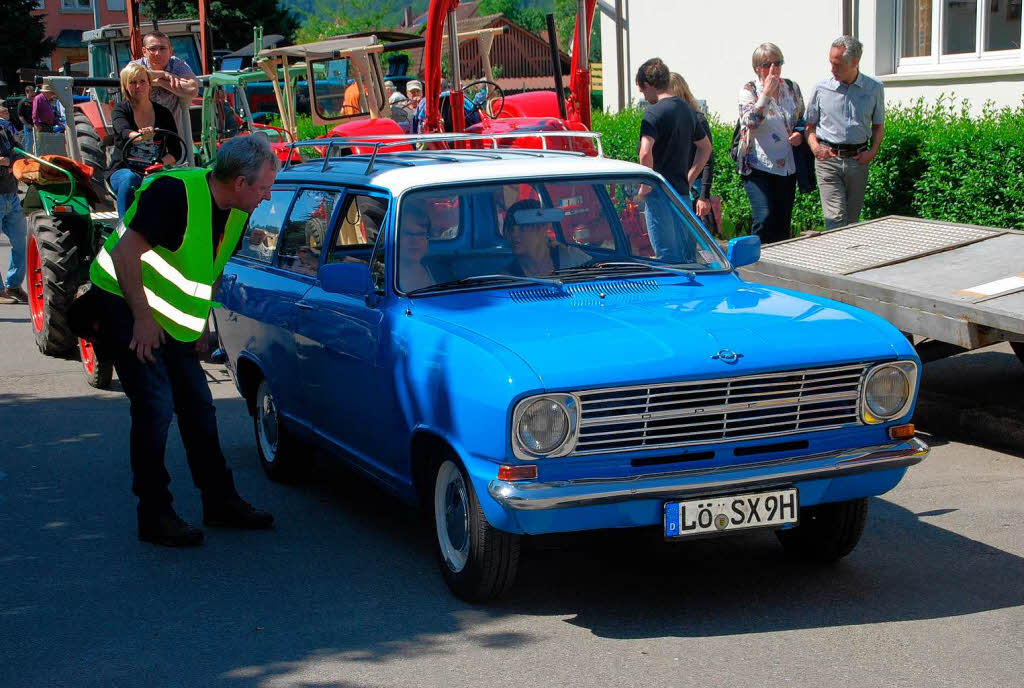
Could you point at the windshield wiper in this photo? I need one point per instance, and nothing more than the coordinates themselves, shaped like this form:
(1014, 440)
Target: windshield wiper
(454, 284)
(689, 274)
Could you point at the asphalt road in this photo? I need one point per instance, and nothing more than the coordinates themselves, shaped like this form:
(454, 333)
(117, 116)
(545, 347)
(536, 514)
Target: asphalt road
(345, 591)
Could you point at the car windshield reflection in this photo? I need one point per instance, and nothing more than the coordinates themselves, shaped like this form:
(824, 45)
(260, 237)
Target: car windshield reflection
(546, 231)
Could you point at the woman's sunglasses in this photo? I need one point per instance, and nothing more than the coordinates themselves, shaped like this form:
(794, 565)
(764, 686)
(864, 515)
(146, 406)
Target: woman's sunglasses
(767, 65)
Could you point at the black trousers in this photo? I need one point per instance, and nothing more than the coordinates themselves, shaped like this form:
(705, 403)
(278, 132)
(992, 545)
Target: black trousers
(771, 200)
(175, 385)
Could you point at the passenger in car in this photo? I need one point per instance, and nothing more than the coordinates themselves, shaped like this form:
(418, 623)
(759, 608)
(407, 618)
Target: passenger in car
(414, 244)
(536, 254)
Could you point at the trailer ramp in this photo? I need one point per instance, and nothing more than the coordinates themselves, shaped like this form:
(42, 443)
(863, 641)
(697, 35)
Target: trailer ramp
(955, 283)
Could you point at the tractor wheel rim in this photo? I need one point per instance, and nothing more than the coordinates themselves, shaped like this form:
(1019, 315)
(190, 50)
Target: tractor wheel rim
(36, 298)
(88, 356)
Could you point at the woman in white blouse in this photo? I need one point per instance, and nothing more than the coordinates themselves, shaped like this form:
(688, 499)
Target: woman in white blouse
(770, 109)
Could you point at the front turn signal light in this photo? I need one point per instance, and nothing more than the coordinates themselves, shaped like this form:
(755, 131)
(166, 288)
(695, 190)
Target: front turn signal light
(901, 432)
(516, 473)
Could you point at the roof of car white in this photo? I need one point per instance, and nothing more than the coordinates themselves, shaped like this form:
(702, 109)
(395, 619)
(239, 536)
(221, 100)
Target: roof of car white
(398, 172)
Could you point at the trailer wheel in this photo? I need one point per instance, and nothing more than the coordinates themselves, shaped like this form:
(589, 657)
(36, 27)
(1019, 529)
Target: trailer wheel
(1018, 349)
(53, 265)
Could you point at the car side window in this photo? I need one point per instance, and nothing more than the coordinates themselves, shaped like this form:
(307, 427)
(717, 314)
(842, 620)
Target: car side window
(359, 222)
(264, 227)
(303, 239)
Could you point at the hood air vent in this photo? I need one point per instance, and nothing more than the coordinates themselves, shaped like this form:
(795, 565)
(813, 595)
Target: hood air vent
(589, 293)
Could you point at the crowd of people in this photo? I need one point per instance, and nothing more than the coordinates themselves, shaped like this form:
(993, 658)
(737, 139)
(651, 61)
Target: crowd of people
(781, 141)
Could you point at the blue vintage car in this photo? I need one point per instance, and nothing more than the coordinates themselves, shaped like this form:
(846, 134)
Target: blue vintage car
(533, 341)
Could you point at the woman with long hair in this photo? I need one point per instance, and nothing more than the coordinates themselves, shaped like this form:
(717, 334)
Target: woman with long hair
(700, 191)
(138, 117)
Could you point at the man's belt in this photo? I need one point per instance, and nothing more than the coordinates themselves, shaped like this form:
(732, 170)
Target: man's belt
(846, 150)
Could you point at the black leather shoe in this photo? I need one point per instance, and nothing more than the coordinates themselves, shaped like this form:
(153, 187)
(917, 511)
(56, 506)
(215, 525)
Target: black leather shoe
(235, 512)
(169, 530)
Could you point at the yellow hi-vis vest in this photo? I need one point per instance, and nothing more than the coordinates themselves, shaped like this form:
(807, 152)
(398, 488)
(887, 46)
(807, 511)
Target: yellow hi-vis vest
(178, 284)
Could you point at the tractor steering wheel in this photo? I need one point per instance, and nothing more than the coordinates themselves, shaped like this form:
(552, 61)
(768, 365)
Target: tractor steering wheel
(148, 159)
(488, 89)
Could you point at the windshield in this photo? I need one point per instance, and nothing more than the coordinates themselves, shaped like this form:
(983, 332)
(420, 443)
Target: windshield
(542, 229)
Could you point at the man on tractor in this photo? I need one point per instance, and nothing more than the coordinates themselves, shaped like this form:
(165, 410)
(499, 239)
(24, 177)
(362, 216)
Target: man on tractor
(173, 79)
(156, 279)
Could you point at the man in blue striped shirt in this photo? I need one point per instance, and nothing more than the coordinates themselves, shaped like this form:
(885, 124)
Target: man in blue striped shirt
(845, 126)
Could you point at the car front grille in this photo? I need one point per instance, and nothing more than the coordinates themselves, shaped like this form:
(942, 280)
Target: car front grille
(723, 410)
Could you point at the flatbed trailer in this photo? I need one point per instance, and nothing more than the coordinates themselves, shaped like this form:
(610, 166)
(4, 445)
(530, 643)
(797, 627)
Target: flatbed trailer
(950, 287)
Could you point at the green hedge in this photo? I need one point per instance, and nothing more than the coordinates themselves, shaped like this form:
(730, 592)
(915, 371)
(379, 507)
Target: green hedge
(936, 162)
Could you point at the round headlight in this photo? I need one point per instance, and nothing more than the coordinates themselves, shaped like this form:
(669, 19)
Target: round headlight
(544, 426)
(887, 391)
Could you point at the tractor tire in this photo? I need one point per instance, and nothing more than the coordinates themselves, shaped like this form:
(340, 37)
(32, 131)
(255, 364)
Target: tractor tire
(93, 153)
(53, 270)
(98, 372)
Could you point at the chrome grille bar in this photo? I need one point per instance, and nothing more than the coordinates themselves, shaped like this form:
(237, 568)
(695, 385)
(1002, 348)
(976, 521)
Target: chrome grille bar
(719, 410)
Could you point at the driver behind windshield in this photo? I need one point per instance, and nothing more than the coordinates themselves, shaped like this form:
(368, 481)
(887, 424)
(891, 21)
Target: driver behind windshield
(414, 243)
(529, 232)
(136, 118)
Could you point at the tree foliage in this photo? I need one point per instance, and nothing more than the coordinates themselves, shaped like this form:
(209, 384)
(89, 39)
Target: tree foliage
(231, 21)
(23, 41)
(329, 18)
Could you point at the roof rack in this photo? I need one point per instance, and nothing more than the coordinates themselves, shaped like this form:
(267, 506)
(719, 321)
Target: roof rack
(383, 142)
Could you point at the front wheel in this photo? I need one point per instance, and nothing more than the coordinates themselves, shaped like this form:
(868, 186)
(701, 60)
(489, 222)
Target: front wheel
(478, 562)
(279, 453)
(827, 532)
(98, 373)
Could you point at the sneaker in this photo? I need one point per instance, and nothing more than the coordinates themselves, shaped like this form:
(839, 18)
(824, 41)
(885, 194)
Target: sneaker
(7, 297)
(235, 512)
(169, 530)
(18, 293)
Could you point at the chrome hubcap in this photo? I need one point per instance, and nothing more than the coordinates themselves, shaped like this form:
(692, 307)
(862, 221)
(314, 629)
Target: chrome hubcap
(451, 516)
(267, 424)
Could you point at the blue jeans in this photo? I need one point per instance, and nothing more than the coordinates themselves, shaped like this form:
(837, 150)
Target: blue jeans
(124, 182)
(12, 223)
(771, 200)
(26, 138)
(175, 385)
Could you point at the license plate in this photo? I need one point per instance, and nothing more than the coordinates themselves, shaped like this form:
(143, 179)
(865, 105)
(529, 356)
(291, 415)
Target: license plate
(728, 513)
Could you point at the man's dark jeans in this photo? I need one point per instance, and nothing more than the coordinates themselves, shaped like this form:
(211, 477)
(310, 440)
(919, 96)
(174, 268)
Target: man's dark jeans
(174, 384)
(771, 200)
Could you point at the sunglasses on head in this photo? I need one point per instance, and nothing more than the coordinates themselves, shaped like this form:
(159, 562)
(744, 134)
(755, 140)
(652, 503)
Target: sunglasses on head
(770, 63)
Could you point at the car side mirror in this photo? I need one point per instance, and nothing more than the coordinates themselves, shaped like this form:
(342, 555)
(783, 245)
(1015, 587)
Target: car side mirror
(744, 251)
(346, 278)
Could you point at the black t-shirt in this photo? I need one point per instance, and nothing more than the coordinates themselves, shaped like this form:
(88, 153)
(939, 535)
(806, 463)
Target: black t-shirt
(673, 126)
(161, 215)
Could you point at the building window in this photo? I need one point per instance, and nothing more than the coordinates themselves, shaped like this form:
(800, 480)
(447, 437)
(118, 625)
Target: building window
(115, 5)
(80, 5)
(933, 32)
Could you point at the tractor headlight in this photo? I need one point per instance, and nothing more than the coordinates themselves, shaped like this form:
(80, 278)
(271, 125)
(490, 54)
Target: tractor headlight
(888, 391)
(544, 426)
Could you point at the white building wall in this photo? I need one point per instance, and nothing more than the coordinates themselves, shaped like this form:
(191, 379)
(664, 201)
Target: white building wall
(710, 44)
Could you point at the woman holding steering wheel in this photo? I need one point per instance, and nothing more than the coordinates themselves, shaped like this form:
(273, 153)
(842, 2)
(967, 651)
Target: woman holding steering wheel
(145, 136)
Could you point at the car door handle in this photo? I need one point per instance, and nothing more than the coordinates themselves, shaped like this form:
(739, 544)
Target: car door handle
(305, 305)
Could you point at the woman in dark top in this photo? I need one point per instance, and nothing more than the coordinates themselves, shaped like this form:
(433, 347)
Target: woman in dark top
(135, 117)
(700, 190)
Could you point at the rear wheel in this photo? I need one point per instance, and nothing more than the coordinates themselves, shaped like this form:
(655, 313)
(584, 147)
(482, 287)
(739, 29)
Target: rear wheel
(280, 453)
(97, 373)
(478, 562)
(827, 532)
(53, 266)
(93, 153)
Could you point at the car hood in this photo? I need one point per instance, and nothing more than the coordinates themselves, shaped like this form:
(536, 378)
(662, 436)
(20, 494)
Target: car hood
(646, 331)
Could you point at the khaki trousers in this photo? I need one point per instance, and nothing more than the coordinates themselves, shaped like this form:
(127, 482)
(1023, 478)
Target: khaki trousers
(841, 184)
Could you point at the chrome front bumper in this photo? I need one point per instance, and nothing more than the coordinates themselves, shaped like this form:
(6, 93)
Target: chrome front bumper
(528, 496)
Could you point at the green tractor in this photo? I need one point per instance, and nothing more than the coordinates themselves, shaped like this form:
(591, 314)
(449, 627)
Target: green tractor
(68, 222)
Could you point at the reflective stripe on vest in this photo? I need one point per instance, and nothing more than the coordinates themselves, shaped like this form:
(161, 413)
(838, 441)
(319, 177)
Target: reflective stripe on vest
(178, 284)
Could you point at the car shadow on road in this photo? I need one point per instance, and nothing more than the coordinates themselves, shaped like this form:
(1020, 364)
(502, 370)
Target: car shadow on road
(347, 582)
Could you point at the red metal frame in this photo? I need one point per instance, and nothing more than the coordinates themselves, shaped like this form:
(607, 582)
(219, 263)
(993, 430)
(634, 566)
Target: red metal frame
(36, 297)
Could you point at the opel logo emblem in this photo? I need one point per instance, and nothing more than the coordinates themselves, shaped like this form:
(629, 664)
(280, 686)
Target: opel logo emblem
(727, 356)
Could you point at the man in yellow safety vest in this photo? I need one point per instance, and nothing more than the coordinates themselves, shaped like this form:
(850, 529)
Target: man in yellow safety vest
(157, 276)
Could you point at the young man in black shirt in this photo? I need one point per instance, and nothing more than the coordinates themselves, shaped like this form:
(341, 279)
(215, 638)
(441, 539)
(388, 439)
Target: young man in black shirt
(667, 131)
